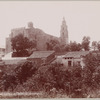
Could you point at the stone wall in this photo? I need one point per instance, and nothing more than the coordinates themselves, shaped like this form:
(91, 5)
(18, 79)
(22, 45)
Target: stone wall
(37, 34)
(33, 34)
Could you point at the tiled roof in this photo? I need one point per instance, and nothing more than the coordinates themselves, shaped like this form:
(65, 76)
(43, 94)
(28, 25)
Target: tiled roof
(41, 54)
(76, 54)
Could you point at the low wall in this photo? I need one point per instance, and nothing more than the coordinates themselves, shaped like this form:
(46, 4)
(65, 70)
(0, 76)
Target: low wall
(14, 60)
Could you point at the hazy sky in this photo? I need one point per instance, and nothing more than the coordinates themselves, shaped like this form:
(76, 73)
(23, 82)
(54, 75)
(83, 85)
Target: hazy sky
(82, 17)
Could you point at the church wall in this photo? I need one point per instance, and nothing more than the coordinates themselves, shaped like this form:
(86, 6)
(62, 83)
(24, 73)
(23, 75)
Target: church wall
(41, 42)
(32, 34)
(8, 45)
(15, 32)
(37, 34)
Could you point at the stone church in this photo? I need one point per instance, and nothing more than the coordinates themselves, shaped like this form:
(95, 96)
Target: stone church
(37, 34)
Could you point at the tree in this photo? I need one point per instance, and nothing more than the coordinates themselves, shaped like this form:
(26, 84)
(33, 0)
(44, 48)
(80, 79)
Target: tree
(51, 44)
(98, 45)
(75, 46)
(67, 47)
(57, 48)
(94, 44)
(92, 60)
(25, 70)
(21, 45)
(92, 70)
(85, 43)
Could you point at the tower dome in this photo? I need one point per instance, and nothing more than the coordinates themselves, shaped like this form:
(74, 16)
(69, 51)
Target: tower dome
(30, 25)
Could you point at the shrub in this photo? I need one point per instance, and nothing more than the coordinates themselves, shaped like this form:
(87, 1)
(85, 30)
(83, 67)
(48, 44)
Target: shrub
(16, 74)
(25, 70)
(73, 81)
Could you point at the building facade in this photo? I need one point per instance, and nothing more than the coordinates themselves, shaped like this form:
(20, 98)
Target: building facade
(37, 34)
(74, 58)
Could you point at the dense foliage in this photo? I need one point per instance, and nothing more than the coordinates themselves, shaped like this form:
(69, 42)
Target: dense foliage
(72, 46)
(85, 43)
(73, 81)
(22, 45)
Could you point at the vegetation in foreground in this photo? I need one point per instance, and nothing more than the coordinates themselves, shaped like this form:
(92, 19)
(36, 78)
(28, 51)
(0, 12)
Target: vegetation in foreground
(53, 80)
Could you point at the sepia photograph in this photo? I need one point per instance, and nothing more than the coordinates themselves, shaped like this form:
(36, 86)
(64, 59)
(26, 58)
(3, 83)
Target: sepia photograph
(49, 49)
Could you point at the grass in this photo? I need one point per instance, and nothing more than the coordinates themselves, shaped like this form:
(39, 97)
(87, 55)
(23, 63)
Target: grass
(9, 95)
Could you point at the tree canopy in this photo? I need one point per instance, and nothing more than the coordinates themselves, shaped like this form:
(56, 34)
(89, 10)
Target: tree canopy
(52, 45)
(98, 45)
(94, 44)
(85, 43)
(74, 46)
(21, 44)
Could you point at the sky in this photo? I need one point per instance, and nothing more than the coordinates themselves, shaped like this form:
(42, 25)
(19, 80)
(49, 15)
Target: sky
(82, 18)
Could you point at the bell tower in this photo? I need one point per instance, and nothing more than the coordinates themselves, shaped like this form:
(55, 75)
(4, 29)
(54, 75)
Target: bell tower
(64, 33)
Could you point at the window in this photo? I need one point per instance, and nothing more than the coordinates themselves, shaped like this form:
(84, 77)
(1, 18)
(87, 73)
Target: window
(65, 58)
(69, 58)
(69, 63)
(78, 62)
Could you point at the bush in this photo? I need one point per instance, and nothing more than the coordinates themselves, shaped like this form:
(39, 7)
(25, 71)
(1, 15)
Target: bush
(25, 70)
(92, 70)
(16, 74)
(74, 81)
